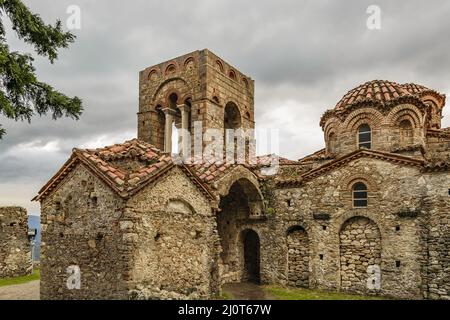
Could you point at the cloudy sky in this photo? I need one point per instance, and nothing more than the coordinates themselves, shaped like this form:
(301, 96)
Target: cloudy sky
(303, 55)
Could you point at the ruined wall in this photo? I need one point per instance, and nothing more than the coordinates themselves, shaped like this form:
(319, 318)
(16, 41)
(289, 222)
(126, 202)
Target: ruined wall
(15, 255)
(174, 239)
(323, 206)
(80, 227)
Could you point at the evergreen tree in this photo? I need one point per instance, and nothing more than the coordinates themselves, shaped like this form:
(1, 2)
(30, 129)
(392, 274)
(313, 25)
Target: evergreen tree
(22, 95)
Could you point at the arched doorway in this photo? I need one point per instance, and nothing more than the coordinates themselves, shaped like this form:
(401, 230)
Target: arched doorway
(298, 257)
(251, 249)
(239, 207)
(360, 255)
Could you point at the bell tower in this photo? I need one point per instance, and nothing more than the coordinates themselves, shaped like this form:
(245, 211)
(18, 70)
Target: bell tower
(198, 86)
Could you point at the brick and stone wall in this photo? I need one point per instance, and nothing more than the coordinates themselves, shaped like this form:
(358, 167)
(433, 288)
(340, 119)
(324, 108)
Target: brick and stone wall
(15, 255)
(80, 227)
(174, 239)
(298, 258)
(360, 247)
(437, 207)
(323, 207)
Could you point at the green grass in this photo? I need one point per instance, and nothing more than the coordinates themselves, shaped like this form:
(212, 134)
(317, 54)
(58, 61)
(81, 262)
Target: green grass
(281, 293)
(225, 296)
(36, 275)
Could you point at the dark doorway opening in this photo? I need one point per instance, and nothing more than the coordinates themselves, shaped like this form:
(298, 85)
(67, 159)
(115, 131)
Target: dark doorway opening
(251, 256)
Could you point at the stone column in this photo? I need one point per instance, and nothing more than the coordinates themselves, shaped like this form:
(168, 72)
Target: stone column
(184, 108)
(168, 113)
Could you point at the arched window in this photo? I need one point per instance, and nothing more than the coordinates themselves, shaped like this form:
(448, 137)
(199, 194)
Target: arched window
(232, 75)
(332, 139)
(365, 136)
(171, 68)
(359, 191)
(406, 132)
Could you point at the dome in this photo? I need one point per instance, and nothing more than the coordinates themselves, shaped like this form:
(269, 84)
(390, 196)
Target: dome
(376, 90)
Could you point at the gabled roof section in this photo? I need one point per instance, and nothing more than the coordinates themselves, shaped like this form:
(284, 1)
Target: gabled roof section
(126, 168)
(339, 162)
(319, 155)
(267, 160)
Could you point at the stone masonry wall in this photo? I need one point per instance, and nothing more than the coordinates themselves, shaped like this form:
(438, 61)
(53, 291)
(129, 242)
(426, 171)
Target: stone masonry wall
(15, 255)
(323, 205)
(298, 258)
(175, 240)
(437, 205)
(80, 227)
(360, 247)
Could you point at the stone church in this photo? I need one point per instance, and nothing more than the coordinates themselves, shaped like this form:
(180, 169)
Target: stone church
(368, 214)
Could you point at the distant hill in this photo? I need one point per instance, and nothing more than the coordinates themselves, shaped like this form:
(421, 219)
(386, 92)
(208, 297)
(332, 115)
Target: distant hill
(34, 222)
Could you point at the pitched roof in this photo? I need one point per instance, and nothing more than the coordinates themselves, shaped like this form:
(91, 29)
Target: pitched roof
(317, 156)
(360, 153)
(268, 158)
(125, 167)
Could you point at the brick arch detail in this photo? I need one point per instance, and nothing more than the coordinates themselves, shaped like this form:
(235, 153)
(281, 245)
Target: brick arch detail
(371, 116)
(332, 125)
(409, 112)
(348, 182)
(166, 88)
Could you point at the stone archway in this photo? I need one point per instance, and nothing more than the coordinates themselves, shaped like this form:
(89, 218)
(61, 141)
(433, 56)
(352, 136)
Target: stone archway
(241, 206)
(297, 257)
(360, 255)
(251, 250)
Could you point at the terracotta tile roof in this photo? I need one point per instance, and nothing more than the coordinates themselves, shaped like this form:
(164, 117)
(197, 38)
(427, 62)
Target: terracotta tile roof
(415, 88)
(266, 160)
(379, 90)
(210, 171)
(143, 164)
(384, 91)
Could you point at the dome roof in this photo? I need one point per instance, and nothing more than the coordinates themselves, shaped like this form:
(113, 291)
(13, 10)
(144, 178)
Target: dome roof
(382, 91)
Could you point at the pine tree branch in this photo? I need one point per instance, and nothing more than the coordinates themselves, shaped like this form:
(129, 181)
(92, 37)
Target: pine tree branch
(31, 28)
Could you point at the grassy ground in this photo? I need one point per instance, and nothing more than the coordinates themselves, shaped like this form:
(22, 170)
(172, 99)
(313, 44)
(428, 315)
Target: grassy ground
(225, 296)
(18, 280)
(281, 293)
